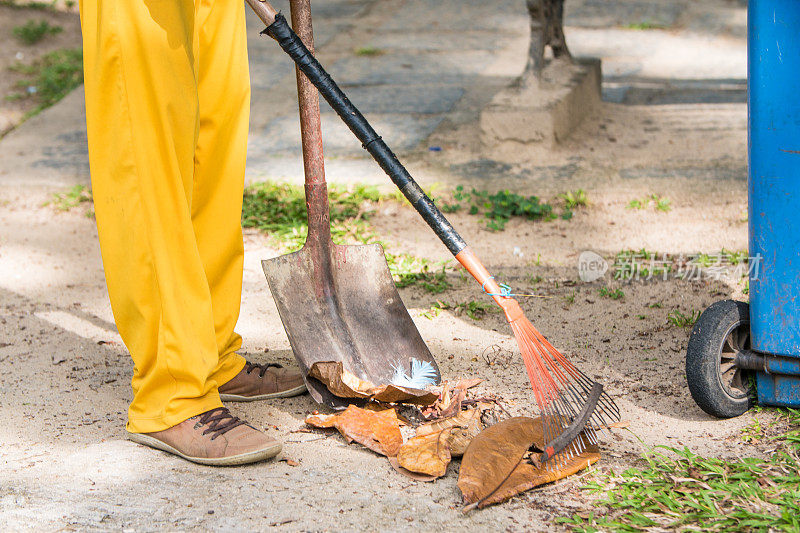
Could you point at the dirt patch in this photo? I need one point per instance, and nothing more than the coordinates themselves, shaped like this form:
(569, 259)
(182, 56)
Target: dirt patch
(14, 52)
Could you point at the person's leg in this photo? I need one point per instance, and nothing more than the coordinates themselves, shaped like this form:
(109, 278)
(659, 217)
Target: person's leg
(142, 121)
(219, 166)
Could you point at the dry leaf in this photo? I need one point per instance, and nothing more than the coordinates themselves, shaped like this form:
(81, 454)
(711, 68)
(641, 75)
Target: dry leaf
(339, 381)
(413, 475)
(464, 427)
(463, 419)
(429, 454)
(321, 421)
(493, 469)
(345, 384)
(468, 383)
(398, 394)
(377, 430)
(527, 476)
(455, 405)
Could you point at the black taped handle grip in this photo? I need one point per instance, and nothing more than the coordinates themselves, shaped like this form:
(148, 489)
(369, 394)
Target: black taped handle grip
(372, 142)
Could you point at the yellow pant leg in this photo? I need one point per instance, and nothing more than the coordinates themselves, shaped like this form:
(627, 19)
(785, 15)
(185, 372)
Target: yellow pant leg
(224, 96)
(142, 121)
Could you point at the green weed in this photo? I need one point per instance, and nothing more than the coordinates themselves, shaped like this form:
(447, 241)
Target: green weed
(678, 490)
(32, 31)
(633, 264)
(52, 4)
(369, 51)
(50, 78)
(498, 208)
(280, 209)
(473, 309)
(570, 298)
(644, 25)
(64, 201)
(682, 320)
(431, 282)
(574, 199)
(616, 294)
(658, 202)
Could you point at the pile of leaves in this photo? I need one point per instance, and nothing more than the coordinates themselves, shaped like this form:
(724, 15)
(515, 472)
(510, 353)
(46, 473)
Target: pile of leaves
(421, 432)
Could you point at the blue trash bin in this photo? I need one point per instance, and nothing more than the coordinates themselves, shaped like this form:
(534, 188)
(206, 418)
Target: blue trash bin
(774, 196)
(731, 341)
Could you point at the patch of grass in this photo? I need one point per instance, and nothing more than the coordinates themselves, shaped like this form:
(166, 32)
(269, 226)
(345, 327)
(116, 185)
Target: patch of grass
(474, 309)
(656, 305)
(29, 5)
(615, 294)
(636, 264)
(657, 202)
(644, 25)
(64, 201)
(369, 51)
(736, 258)
(34, 31)
(570, 298)
(50, 78)
(498, 208)
(575, 199)
(280, 209)
(408, 270)
(678, 490)
(682, 320)
(431, 282)
(432, 312)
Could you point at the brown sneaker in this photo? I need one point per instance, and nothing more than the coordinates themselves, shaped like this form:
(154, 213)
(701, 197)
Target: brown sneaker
(215, 438)
(261, 382)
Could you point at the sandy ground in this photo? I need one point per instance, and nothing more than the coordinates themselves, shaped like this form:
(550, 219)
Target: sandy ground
(64, 373)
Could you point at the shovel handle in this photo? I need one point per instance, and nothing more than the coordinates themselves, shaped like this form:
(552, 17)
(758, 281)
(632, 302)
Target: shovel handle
(279, 30)
(319, 231)
(264, 10)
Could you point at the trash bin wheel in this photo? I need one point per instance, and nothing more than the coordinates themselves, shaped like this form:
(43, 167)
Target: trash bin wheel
(717, 385)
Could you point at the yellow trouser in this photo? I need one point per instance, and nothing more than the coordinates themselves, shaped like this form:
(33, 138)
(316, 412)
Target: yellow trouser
(167, 109)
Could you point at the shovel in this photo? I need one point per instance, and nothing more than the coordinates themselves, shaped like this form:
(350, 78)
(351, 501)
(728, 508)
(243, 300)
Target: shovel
(337, 303)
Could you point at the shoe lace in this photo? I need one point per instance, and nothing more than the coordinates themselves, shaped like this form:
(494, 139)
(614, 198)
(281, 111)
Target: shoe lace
(219, 421)
(262, 369)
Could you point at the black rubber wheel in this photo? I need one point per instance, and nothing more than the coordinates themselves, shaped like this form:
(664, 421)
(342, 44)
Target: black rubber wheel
(719, 387)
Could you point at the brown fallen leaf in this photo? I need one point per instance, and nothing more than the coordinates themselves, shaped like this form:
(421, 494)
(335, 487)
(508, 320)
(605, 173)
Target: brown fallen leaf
(464, 427)
(429, 454)
(413, 475)
(493, 468)
(468, 383)
(321, 421)
(455, 405)
(462, 419)
(398, 394)
(377, 430)
(527, 476)
(339, 381)
(345, 384)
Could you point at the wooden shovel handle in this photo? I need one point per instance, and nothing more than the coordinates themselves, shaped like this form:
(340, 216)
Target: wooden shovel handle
(264, 10)
(319, 233)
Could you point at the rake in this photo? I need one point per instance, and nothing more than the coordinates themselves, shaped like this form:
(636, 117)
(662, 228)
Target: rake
(569, 401)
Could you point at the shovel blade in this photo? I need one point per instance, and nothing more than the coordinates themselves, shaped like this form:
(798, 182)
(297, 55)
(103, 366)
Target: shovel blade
(348, 311)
